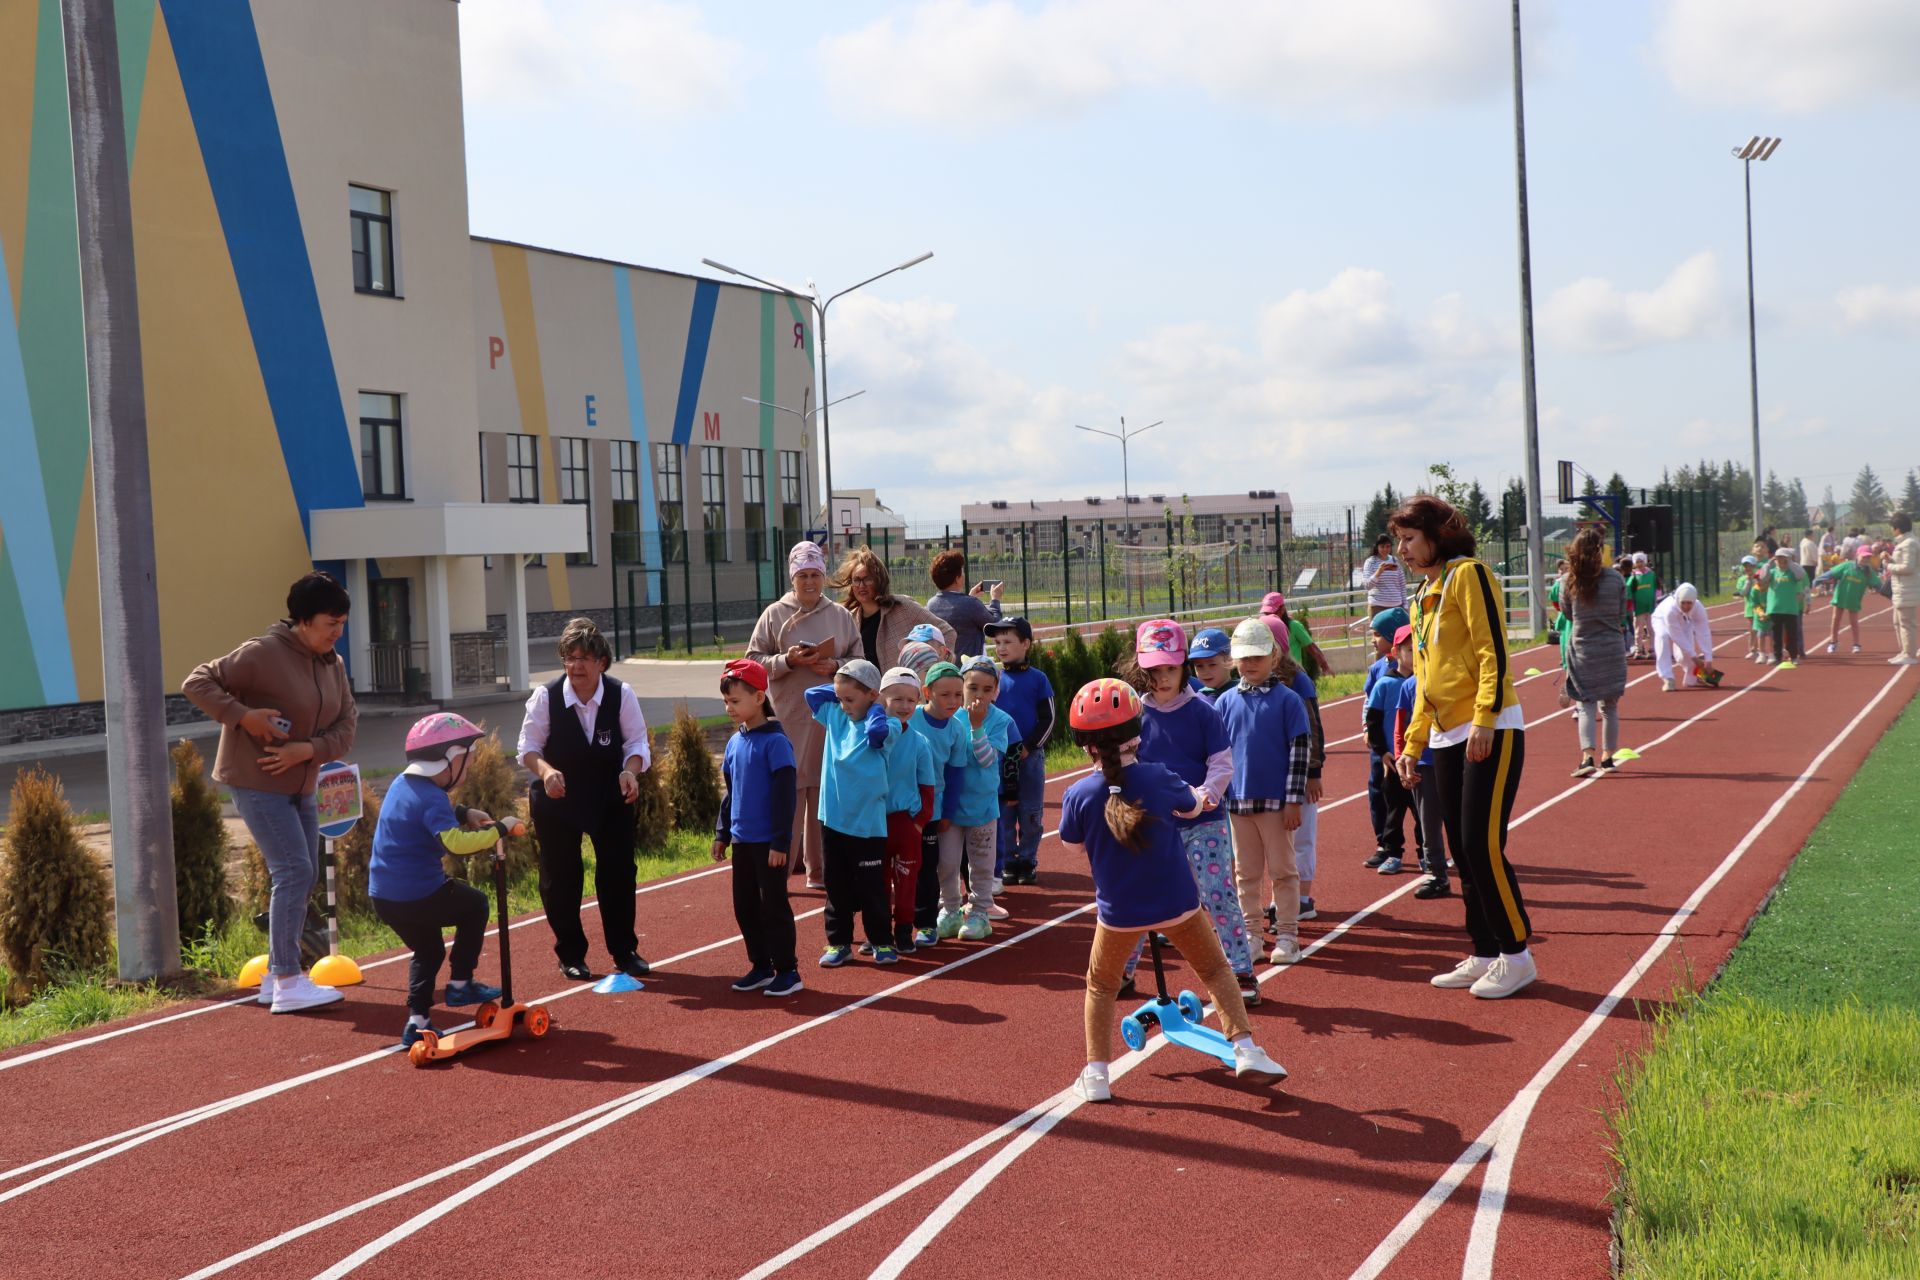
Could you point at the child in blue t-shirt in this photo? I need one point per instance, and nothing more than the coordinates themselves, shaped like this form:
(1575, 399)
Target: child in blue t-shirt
(1380, 629)
(1212, 662)
(1122, 816)
(1387, 797)
(1026, 695)
(406, 880)
(949, 739)
(853, 809)
(1272, 741)
(967, 844)
(1428, 827)
(756, 819)
(911, 793)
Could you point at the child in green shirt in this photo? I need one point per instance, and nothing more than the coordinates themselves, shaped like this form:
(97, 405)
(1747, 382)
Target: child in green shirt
(1752, 600)
(1851, 580)
(1643, 589)
(1786, 589)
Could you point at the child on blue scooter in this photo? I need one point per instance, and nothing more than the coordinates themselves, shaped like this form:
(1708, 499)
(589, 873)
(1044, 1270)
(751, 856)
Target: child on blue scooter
(1122, 816)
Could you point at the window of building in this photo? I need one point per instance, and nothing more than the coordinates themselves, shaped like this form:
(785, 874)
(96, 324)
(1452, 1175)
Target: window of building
(791, 515)
(523, 476)
(626, 503)
(383, 467)
(576, 488)
(670, 502)
(713, 499)
(753, 497)
(370, 215)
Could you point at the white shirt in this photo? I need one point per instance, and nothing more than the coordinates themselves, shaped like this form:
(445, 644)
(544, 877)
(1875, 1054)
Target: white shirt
(1386, 585)
(633, 725)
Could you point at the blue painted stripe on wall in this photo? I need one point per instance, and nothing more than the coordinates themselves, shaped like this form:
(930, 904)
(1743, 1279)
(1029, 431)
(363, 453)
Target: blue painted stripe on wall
(28, 529)
(218, 53)
(706, 296)
(637, 425)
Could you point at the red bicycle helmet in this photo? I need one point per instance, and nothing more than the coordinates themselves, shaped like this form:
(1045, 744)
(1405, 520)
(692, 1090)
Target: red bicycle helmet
(1106, 703)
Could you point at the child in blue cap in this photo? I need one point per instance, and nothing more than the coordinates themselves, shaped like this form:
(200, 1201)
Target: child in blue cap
(1389, 836)
(1212, 659)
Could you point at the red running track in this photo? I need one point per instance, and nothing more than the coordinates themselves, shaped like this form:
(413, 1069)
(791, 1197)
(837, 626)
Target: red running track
(915, 1117)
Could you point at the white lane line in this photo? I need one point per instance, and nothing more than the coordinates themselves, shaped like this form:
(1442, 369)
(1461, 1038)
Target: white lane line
(1067, 1101)
(641, 1099)
(1506, 1146)
(68, 1046)
(140, 1135)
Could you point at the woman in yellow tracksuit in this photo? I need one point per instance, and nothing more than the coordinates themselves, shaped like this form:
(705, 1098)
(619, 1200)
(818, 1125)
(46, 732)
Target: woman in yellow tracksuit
(1466, 711)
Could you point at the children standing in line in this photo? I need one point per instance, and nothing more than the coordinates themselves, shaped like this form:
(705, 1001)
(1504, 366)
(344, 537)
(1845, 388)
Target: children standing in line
(756, 820)
(949, 740)
(1430, 824)
(1850, 581)
(910, 799)
(1271, 740)
(967, 843)
(853, 809)
(1026, 695)
(1122, 818)
(1212, 662)
(1382, 703)
(410, 889)
(1643, 587)
(1752, 595)
(1786, 589)
(1181, 730)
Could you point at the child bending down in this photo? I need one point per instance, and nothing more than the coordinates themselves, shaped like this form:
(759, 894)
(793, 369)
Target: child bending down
(1123, 818)
(411, 891)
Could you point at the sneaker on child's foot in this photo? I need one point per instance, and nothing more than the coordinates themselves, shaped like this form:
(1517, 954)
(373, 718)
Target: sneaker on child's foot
(1285, 951)
(865, 948)
(1251, 1063)
(1093, 1085)
(834, 957)
(468, 992)
(1507, 975)
(1126, 990)
(885, 955)
(416, 1030)
(266, 988)
(997, 912)
(977, 927)
(903, 939)
(785, 985)
(1379, 856)
(950, 922)
(755, 978)
(1391, 867)
(1435, 887)
(1464, 974)
(1856, 648)
(291, 995)
(1249, 989)
(1308, 911)
(925, 938)
(1830, 646)
(1273, 918)
(999, 885)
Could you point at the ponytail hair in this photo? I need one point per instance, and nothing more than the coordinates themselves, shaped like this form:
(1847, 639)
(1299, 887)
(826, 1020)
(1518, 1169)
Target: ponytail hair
(1126, 819)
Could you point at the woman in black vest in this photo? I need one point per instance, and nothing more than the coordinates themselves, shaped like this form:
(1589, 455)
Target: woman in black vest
(585, 742)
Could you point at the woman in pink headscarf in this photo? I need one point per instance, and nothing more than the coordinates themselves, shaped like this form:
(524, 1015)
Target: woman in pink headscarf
(801, 640)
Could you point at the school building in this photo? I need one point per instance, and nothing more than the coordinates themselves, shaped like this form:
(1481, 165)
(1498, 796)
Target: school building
(1255, 521)
(477, 437)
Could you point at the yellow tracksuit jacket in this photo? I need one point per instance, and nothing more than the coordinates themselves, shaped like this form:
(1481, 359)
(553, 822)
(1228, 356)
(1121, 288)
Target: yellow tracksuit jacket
(1459, 652)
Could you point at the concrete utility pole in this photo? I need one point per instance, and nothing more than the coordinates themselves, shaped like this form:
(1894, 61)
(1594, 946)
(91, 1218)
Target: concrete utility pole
(148, 925)
(1536, 552)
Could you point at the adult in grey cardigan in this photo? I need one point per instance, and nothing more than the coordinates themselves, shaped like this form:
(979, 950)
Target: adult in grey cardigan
(960, 609)
(1594, 598)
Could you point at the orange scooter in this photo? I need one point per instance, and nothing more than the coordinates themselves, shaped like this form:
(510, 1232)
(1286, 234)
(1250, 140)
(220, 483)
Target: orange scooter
(493, 1020)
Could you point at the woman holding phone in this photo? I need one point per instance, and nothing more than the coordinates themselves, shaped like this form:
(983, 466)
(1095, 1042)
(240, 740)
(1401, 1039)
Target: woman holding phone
(285, 708)
(801, 640)
(965, 611)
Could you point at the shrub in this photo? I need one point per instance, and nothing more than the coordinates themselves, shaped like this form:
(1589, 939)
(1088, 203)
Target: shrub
(199, 846)
(492, 784)
(256, 885)
(351, 854)
(692, 781)
(56, 902)
(653, 813)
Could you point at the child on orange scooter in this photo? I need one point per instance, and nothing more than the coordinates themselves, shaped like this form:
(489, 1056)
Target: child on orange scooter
(410, 889)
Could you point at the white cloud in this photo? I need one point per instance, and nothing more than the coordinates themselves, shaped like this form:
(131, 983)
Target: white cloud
(1791, 55)
(651, 59)
(973, 64)
(1594, 314)
(1350, 322)
(1879, 308)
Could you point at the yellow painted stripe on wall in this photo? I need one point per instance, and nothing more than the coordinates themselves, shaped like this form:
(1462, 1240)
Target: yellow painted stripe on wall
(19, 30)
(529, 386)
(226, 527)
(83, 600)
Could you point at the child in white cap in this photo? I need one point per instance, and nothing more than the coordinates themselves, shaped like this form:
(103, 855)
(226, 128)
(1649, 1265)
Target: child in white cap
(854, 784)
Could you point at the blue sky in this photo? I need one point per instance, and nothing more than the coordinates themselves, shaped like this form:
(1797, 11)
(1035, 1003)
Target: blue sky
(1285, 227)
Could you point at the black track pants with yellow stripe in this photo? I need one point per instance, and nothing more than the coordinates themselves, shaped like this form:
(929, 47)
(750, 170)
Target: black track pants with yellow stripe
(1476, 799)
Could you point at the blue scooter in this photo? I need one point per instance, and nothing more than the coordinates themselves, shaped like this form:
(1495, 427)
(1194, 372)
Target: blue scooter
(1178, 1020)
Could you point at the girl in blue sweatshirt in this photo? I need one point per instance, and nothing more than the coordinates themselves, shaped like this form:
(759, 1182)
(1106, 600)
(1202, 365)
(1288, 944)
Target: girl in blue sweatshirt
(756, 820)
(968, 845)
(853, 809)
(949, 740)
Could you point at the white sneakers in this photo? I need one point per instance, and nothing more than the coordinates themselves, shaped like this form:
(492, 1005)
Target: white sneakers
(1902, 661)
(266, 988)
(1464, 974)
(996, 912)
(1285, 951)
(1250, 1062)
(1666, 686)
(1092, 1084)
(291, 995)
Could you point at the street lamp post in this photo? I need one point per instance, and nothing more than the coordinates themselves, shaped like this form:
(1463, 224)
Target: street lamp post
(805, 416)
(1536, 550)
(1126, 483)
(1757, 148)
(820, 338)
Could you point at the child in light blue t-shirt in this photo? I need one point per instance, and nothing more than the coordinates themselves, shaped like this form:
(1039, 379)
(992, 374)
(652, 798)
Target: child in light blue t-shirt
(853, 809)
(968, 845)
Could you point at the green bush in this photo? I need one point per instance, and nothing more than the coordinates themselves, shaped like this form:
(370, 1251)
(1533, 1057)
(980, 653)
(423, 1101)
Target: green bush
(492, 785)
(692, 780)
(56, 901)
(351, 855)
(199, 846)
(653, 813)
(256, 884)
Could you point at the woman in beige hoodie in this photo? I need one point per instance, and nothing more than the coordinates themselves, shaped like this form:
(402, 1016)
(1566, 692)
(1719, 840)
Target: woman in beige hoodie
(801, 640)
(1903, 572)
(285, 708)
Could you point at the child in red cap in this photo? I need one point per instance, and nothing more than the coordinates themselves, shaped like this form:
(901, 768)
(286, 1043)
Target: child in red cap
(756, 819)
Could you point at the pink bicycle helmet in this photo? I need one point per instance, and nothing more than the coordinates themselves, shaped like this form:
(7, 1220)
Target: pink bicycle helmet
(437, 740)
